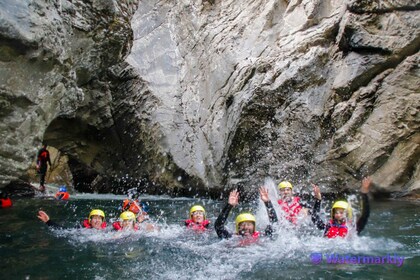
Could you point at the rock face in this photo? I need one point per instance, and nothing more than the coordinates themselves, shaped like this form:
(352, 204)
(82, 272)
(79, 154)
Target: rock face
(214, 93)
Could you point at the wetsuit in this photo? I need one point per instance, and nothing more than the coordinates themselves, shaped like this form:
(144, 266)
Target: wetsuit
(332, 226)
(42, 159)
(222, 232)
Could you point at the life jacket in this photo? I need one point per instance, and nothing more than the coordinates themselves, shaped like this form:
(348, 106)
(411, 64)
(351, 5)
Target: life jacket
(291, 209)
(333, 230)
(198, 227)
(6, 202)
(62, 195)
(43, 156)
(245, 241)
(132, 205)
(117, 226)
(86, 224)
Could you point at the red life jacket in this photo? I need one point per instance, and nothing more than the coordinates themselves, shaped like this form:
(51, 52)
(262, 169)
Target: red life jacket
(86, 224)
(131, 205)
(6, 202)
(62, 195)
(117, 226)
(198, 227)
(43, 156)
(245, 241)
(335, 230)
(291, 210)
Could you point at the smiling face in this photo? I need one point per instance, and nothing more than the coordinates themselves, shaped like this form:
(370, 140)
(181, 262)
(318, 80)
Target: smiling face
(127, 224)
(96, 221)
(246, 228)
(286, 193)
(197, 217)
(339, 214)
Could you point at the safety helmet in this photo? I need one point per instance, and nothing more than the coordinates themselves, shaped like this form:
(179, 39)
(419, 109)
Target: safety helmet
(96, 212)
(127, 215)
(285, 184)
(344, 205)
(197, 208)
(244, 217)
(62, 189)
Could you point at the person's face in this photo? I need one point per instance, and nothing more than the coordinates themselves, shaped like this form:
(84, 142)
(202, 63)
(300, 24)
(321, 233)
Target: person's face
(286, 193)
(339, 214)
(96, 221)
(246, 228)
(127, 224)
(197, 216)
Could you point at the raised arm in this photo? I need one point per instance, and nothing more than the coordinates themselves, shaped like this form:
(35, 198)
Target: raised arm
(316, 219)
(219, 225)
(272, 216)
(364, 190)
(46, 219)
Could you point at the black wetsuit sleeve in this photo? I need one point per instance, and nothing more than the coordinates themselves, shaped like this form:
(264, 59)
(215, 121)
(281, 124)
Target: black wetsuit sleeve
(315, 215)
(362, 221)
(272, 217)
(219, 225)
(53, 224)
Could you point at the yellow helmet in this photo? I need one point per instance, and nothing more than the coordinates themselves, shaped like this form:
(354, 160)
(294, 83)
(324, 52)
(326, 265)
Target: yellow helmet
(197, 208)
(344, 205)
(96, 212)
(244, 217)
(127, 215)
(285, 184)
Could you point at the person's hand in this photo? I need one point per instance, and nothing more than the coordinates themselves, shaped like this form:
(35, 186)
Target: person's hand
(264, 194)
(43, 216)
(234, 198)
(366, 182)
(317, 192)
(142, 217)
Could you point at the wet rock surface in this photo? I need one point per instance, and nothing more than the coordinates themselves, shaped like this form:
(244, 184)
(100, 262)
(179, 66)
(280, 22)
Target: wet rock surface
(204, 96)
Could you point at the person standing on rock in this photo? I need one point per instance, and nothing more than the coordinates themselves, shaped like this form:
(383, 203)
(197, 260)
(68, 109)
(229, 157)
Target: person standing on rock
(43, 159)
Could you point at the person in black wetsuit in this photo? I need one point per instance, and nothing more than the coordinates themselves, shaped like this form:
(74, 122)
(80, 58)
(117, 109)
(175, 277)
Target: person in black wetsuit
(245, 222)
(42, 161)
(341, 213)
(96, 220)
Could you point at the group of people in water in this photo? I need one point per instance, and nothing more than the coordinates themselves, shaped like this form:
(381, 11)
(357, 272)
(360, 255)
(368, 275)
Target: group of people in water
(135, 215)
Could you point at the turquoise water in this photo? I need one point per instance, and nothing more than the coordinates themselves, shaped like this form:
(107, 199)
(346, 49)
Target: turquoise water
(31, 250)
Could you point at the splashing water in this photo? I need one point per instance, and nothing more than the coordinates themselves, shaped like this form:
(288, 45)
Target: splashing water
(32, 250)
